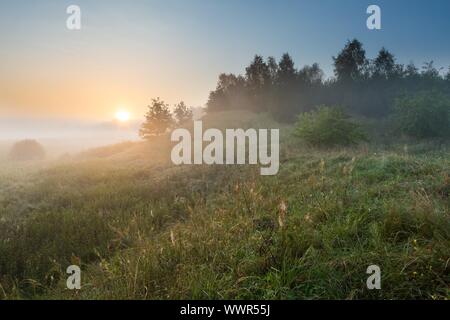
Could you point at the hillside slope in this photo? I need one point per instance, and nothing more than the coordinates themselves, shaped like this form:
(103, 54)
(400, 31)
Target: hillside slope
(144, 229)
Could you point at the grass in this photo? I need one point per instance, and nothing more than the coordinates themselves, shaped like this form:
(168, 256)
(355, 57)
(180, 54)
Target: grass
(148, 230)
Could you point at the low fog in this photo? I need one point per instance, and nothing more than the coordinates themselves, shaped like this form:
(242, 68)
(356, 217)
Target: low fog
(63, 136)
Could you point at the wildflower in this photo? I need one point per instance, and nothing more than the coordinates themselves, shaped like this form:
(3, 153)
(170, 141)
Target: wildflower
(415, 244)
(282, 214)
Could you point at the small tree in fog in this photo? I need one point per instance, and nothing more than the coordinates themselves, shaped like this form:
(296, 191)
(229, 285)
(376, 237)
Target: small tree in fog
(27, 150)
(158, 120)
(182, 113)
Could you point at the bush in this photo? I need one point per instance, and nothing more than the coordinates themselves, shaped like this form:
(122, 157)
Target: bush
(424, 115)
(27, 150)
(328, 126)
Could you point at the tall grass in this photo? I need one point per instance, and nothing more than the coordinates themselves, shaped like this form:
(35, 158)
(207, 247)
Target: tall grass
(153, 231)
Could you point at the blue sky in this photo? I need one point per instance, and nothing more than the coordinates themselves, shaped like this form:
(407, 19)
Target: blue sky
(130, 51)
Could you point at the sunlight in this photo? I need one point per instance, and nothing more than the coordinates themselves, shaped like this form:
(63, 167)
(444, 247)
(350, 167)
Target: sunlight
(122, 116)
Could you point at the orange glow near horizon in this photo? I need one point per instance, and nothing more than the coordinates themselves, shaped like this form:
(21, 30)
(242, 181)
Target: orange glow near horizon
(88, 88)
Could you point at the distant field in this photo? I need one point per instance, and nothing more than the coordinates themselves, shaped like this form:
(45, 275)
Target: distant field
(143, 229)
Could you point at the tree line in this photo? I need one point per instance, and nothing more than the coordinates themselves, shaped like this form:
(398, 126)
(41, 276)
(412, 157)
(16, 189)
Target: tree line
(364, 86)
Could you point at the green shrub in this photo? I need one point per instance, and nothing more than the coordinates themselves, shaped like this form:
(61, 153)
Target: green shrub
(424, 115)
(328, 126)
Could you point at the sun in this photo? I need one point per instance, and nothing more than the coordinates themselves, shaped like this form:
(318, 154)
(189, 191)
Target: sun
(122, 116)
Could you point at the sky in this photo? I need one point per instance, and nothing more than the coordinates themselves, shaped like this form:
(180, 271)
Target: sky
(129, 51)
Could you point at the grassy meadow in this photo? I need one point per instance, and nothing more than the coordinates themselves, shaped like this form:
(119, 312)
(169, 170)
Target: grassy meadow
(141, 228)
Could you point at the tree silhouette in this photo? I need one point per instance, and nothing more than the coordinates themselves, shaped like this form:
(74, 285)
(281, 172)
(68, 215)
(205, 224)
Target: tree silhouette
(384, 64)
(285, 93)
(350, 61)
(411, 71)
(273, 69)
(182, 113)
(286, 71)
(158, 120)
(311, 75)
(230, 93)
(257, 74)
(258, 82)
(429, 71)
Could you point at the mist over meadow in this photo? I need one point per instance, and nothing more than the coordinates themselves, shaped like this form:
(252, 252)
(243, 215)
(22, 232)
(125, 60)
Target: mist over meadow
(61, 136)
